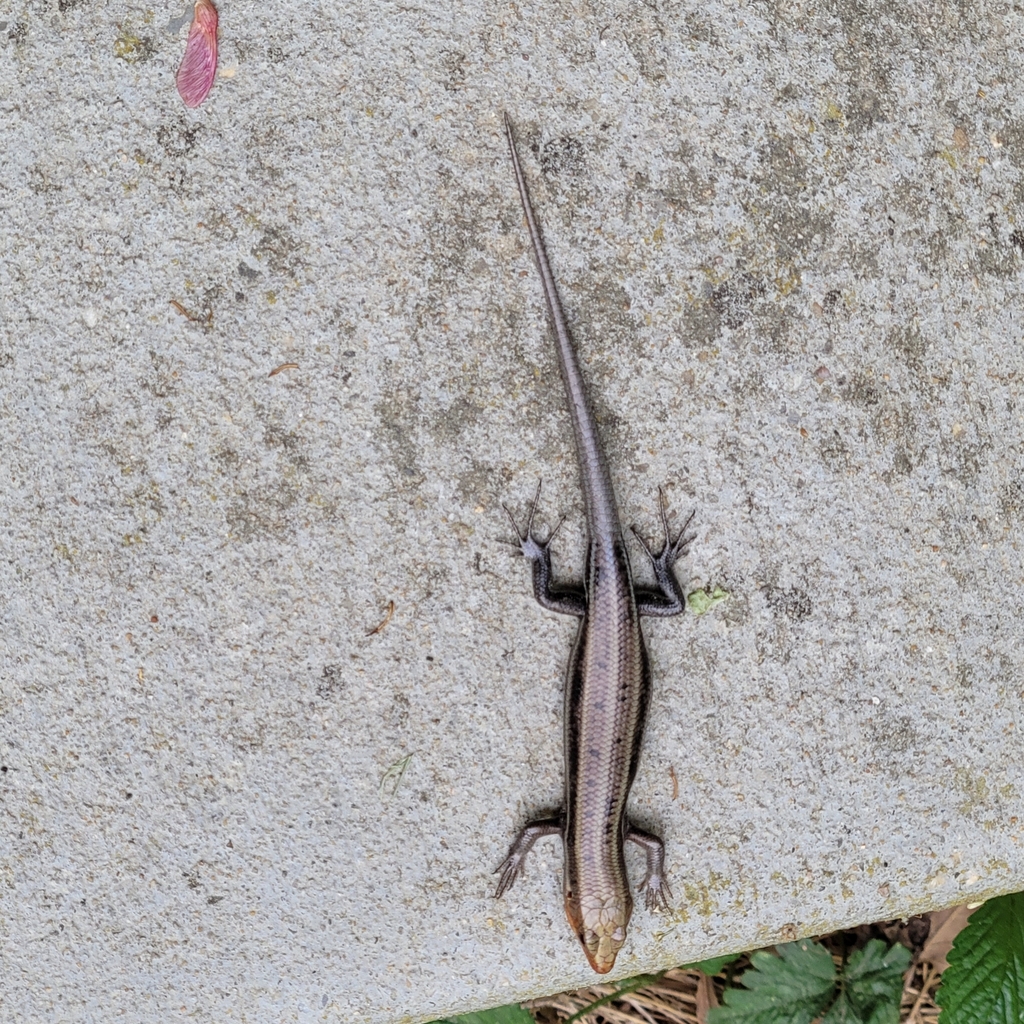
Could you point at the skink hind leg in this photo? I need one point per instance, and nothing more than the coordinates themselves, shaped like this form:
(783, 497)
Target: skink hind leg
(513, 863)
(564, 599)
(668, 599)
(656, 890)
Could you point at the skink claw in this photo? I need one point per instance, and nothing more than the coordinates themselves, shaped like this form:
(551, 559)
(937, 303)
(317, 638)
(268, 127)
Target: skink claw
(671, 550)
(510, 870)
(657, 894)
(533, 547)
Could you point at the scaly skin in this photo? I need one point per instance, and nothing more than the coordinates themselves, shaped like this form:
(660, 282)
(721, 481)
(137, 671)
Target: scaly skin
(609, 680)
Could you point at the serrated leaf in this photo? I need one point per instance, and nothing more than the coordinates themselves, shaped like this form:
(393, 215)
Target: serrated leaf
(714, 965)
(984, 983)
(791, 988)
(871, 986)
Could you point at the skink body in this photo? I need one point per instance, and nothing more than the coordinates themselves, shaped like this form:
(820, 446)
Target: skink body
(609, 681)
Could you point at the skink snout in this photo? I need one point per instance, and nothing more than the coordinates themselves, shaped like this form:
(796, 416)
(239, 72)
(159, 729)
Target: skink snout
(602, 948)
(601, 929)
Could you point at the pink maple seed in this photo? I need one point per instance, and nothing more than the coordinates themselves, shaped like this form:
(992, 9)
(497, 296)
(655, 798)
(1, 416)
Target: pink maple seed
(199, 65)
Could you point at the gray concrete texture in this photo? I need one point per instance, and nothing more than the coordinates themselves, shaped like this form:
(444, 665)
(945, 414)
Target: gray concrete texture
(789, 238)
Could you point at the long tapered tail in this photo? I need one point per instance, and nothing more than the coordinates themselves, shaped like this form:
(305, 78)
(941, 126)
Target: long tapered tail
(596, 480)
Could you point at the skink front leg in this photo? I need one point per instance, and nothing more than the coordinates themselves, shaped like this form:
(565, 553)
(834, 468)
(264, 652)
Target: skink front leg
(669, 598)
(567, 600)
(513, 863)
(656, 891)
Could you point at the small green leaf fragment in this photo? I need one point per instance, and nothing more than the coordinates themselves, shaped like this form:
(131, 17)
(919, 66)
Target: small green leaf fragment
(132, 48)
(394, 775)
(712, 966)
(511, 1014)
(792, 988)
(984, 983)
(700, 601)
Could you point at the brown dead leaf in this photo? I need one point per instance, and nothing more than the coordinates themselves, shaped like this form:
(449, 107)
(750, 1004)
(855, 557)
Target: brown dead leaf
(706, 998)
(946, 926)
(671, 1000)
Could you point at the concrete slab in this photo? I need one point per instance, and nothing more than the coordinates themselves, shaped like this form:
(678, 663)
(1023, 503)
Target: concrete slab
(789, 237)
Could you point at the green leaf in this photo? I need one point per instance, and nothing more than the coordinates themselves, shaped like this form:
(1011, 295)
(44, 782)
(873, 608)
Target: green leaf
(792, 988)
(714, 965)
(871, 986)
(394, 775)
(511, 1014)
(984, 983)
(801, 982)
(700, 601)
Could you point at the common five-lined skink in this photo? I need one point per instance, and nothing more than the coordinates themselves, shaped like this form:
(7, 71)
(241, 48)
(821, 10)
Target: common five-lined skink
(609, 679)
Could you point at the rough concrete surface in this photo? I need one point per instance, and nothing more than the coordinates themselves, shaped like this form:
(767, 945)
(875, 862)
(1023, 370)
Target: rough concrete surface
(790, 241)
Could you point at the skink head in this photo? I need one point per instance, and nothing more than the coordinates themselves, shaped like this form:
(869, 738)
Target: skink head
(600, 925)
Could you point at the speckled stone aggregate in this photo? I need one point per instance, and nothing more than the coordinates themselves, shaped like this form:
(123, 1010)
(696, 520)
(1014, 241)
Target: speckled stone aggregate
(789, 240)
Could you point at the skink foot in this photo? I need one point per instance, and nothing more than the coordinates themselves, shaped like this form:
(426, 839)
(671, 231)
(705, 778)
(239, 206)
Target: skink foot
(655, 888)
(513, 864)
(567, 600)
(668, 599)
